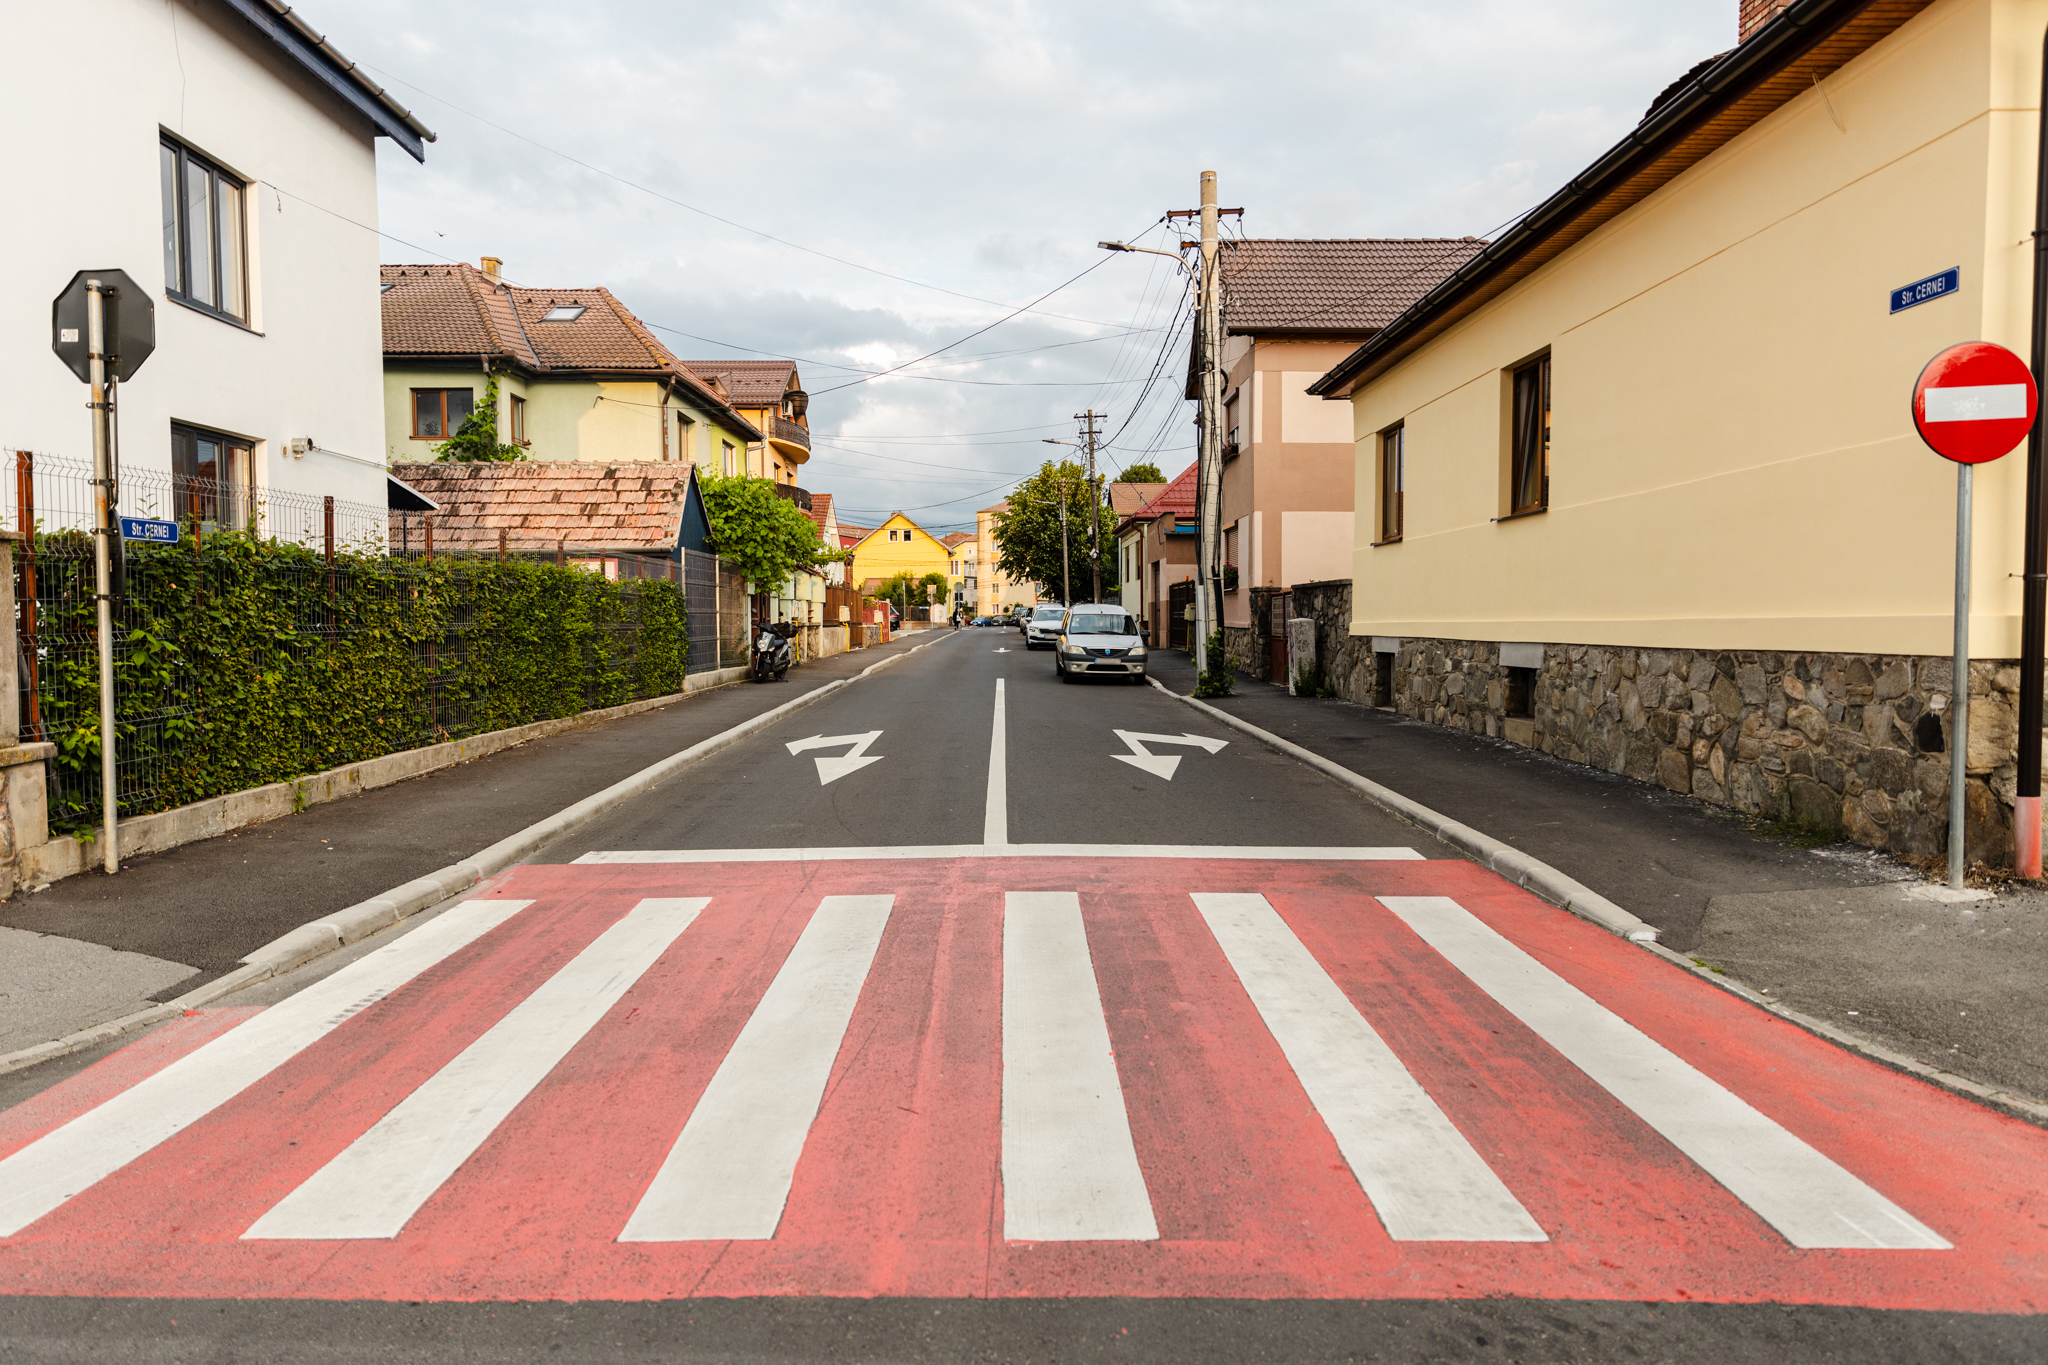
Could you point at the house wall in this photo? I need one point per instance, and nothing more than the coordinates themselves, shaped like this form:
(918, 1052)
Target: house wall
(308, 365)
(1289, 493)
(566, 419)
(1733, 463)
(880, 557)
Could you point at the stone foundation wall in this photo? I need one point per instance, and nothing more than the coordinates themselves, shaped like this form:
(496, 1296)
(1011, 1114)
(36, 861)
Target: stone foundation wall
(1857, 743)
(1245, 647)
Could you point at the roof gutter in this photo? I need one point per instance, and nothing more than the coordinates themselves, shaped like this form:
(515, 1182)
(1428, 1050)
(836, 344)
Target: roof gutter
(298, 38)
(1795, 29)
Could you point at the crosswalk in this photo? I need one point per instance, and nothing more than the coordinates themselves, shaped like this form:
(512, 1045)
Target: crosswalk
(1251, 1074)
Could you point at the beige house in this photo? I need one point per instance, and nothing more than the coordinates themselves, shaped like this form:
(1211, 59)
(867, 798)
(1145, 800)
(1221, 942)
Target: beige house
(579, 376)
(769, 394)
(996, 593)
(1291, 310)
(1639, 484)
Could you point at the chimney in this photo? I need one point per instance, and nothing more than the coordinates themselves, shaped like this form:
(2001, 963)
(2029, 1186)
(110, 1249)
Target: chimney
(1754, 14)
(492, 265)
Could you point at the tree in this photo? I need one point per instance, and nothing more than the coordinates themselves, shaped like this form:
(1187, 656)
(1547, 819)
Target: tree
(906, 589)
(1028, 534)
(1143, 473)
(476, 440)
(760, 531)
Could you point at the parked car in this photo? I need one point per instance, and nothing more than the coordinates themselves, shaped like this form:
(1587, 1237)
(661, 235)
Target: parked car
(1043, 625)
(1098, 641)
(1019, 617)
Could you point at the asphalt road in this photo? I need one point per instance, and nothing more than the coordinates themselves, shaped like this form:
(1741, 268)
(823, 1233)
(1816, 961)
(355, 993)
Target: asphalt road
(1267, 1210)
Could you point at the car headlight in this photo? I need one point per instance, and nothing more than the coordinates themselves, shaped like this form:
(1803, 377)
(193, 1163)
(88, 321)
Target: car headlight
(1072, 653)
(1135, 652)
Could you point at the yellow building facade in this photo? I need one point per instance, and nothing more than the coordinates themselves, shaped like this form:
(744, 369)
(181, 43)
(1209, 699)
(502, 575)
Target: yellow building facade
(1725, 503)
(900, 545)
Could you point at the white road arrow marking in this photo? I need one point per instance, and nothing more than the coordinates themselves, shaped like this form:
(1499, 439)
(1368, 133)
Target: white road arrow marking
(832, 769)
(1160, 765)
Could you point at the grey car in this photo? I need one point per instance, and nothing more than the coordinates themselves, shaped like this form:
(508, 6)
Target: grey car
(1042, 627)
(1098, 641)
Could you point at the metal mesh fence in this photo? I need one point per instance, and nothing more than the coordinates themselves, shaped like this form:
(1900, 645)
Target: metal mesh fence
(283, 635)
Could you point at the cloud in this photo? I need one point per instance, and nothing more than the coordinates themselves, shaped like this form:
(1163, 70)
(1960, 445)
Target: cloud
(981, 148)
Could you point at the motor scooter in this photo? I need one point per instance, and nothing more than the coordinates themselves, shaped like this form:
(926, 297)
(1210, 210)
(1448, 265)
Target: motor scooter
(773, 654)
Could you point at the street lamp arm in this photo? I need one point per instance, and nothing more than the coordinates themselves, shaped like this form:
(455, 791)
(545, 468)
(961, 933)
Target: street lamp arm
(1149, 251)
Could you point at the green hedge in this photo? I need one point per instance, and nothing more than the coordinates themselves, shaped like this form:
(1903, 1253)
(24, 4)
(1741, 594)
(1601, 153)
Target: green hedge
(241, 662)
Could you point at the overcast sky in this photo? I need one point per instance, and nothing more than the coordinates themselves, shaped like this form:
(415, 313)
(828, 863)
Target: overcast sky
(969, 156)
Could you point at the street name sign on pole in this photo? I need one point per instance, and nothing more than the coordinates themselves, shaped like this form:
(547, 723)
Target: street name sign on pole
(103, 326)
(1972, 404)
(149, 531)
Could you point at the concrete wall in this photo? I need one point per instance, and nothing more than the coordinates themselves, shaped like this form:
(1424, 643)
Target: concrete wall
(307, 364)
(1733, 464)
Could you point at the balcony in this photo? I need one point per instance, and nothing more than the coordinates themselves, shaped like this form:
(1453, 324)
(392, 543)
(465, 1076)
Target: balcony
(784, 432)
(801, 497)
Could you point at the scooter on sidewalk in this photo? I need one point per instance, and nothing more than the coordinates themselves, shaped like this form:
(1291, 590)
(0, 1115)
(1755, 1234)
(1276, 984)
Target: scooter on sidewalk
(773, 654)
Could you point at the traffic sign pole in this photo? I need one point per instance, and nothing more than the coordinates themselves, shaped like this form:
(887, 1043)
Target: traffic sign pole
(1959, 690)
(102, 477)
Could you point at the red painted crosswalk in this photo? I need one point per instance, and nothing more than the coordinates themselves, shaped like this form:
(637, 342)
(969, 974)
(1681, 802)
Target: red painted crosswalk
(1014, 1076)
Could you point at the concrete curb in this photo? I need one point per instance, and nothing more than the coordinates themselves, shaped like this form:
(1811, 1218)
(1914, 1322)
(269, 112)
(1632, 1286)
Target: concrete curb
(1531, 874)
(325, 935)
(66, 856)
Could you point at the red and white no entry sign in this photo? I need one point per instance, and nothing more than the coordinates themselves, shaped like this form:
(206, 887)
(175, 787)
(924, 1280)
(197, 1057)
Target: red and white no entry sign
(1974, 402)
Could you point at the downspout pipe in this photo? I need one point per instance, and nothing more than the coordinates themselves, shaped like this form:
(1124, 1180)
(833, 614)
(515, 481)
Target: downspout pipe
(2034, 577)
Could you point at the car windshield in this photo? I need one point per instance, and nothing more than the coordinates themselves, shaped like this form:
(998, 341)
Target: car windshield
(1047, 613)
(1100, 623)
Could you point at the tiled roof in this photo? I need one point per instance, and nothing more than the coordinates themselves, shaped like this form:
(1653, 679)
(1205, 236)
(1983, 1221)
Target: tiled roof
(753, 383)
(539, 505)
(1003, 506)
(456, 310)
(1126, 498)
(1336, 285)
(956, 539)
(1176, 497)
(821, 510)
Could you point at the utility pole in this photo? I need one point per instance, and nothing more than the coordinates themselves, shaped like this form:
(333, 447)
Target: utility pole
(1088, 436)
(102, 403)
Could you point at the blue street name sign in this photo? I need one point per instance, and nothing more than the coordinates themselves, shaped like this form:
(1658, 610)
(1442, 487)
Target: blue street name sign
(1933, 287)
(155, 532)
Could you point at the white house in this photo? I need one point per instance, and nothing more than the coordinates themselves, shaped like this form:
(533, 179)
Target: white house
(224, 156)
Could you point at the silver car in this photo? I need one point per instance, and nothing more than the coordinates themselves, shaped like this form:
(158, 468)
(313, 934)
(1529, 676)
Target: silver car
(1099, 641)
(1042, 627)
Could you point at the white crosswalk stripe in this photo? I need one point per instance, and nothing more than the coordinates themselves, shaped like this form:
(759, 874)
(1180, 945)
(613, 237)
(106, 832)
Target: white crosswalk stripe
(1070, 1169)
(1809, 1199)
(49, 1172)
(1424, 1179)
(375, 1186)
(729, 1173)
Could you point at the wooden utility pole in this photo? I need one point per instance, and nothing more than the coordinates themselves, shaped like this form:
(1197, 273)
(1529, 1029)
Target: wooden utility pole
(1088, 437)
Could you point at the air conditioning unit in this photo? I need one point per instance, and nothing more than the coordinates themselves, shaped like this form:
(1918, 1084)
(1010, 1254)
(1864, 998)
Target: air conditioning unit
(301, 446)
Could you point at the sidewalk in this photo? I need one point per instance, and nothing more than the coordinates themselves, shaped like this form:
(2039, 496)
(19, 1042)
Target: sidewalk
(1837, 933)
(92, 947)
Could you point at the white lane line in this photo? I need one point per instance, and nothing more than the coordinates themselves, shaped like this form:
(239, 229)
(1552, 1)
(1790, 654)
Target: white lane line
(1422, 1176)
(995, 822)
(935, 851)
(1806, 1197)
(728, 1175)
(379, 1181)
(1070, 1170)
(64, 1163)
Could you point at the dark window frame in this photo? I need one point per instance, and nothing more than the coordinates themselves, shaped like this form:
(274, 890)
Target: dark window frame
(1518, 697)
(201, 494)
(1393, 483)
(447, 428)
(178, 272)
(1529, 438)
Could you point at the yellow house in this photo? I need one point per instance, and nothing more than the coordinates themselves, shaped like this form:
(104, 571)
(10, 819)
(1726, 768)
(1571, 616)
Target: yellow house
(1638, 484)
(900, 545)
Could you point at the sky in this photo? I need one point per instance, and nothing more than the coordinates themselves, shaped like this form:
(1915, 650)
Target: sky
(855, 186)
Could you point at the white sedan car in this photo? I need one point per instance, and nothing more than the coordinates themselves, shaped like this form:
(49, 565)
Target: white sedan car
(1042, 627)
(1099, 641)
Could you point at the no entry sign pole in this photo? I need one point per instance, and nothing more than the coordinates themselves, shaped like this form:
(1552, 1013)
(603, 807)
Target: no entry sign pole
(1972, 404)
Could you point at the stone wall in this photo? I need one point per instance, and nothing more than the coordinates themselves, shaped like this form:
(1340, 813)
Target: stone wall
(1856, 743)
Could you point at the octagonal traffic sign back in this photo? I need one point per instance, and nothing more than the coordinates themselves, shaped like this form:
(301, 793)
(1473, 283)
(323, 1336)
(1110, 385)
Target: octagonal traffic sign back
(129, 319)
(1974, 402)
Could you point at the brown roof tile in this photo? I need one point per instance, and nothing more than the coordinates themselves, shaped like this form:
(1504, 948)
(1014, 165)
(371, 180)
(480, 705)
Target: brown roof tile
(956, 539)
(597, 506)
(1337, 285)
(752, 383)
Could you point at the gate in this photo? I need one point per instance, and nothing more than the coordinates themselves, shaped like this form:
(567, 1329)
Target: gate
(1180, 601)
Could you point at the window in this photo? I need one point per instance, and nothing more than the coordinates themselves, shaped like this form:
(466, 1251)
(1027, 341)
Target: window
(1382, 678)
(726, 465)
(1230, 445)
(563, 312)
(518, 420)
(212, 478)
(1393, 482)
(204, 238)
(1520, 702)
(437, 412)
(1230, 559)
(1529, 471)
